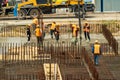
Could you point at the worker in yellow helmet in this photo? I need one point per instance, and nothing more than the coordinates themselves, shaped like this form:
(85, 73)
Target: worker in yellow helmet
(52, 29)
(75, 30)
(96, 50)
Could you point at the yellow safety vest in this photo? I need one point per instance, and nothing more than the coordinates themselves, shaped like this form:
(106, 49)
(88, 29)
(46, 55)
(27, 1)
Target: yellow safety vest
(52, 26)
(75, 28)
(96, 49)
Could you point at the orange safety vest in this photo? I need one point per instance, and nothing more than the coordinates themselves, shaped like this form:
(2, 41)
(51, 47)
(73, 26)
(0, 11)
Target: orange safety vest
(38, 32)
(86, 28)
(96, 49)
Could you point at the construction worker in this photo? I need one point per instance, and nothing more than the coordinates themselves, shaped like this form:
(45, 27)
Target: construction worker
(96, 50)
(38, 33)
(86, 29)
(28, 32)
(57, 32)
(35, 23)
(52, 29)
(75, 30)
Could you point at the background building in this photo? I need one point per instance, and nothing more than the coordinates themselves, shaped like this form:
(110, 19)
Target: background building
(107, 5)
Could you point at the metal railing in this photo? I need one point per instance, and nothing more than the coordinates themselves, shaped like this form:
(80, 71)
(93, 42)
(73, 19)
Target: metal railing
(25, 61)
(90, 64)
(112, 41)
(20, 31)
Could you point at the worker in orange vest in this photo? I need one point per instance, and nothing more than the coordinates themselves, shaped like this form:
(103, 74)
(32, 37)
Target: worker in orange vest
(75, 30)
(38, 33)
(52, 29)
(86, 29)
(96, 50)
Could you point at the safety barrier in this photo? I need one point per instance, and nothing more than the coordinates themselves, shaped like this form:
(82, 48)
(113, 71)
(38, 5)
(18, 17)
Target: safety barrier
(112, 41)
(31, 61)
(113, 27)
(15, 52)
(20, 31)
(90, 64)
(25, 61)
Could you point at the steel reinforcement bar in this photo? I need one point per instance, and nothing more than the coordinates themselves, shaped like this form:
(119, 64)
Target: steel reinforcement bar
(90, 64)
(111, 40)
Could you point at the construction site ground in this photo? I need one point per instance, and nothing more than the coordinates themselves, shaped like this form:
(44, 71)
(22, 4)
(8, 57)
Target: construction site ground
(109, 65)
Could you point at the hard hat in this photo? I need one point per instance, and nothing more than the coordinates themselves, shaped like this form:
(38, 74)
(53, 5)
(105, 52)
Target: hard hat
(29, 25)
(35, 16)
(73, 25)
(96, 41)
(38, 26)
(54, 22)
(86, 22)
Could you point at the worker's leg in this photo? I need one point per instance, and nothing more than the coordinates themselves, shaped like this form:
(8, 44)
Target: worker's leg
(39, 44)
(88, 35)
(85, 35)
(51, 33)
(57, 36)
(76, 40)
(96, 57)
(73, 40)
(41, 40)
(37, 40)
(28, 38)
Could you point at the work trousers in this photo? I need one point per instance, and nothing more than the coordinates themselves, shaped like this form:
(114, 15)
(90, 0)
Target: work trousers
(39, 40)
(57, 36)
(28, 38)
(52, 32)
(87, 35)
(96, 59)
